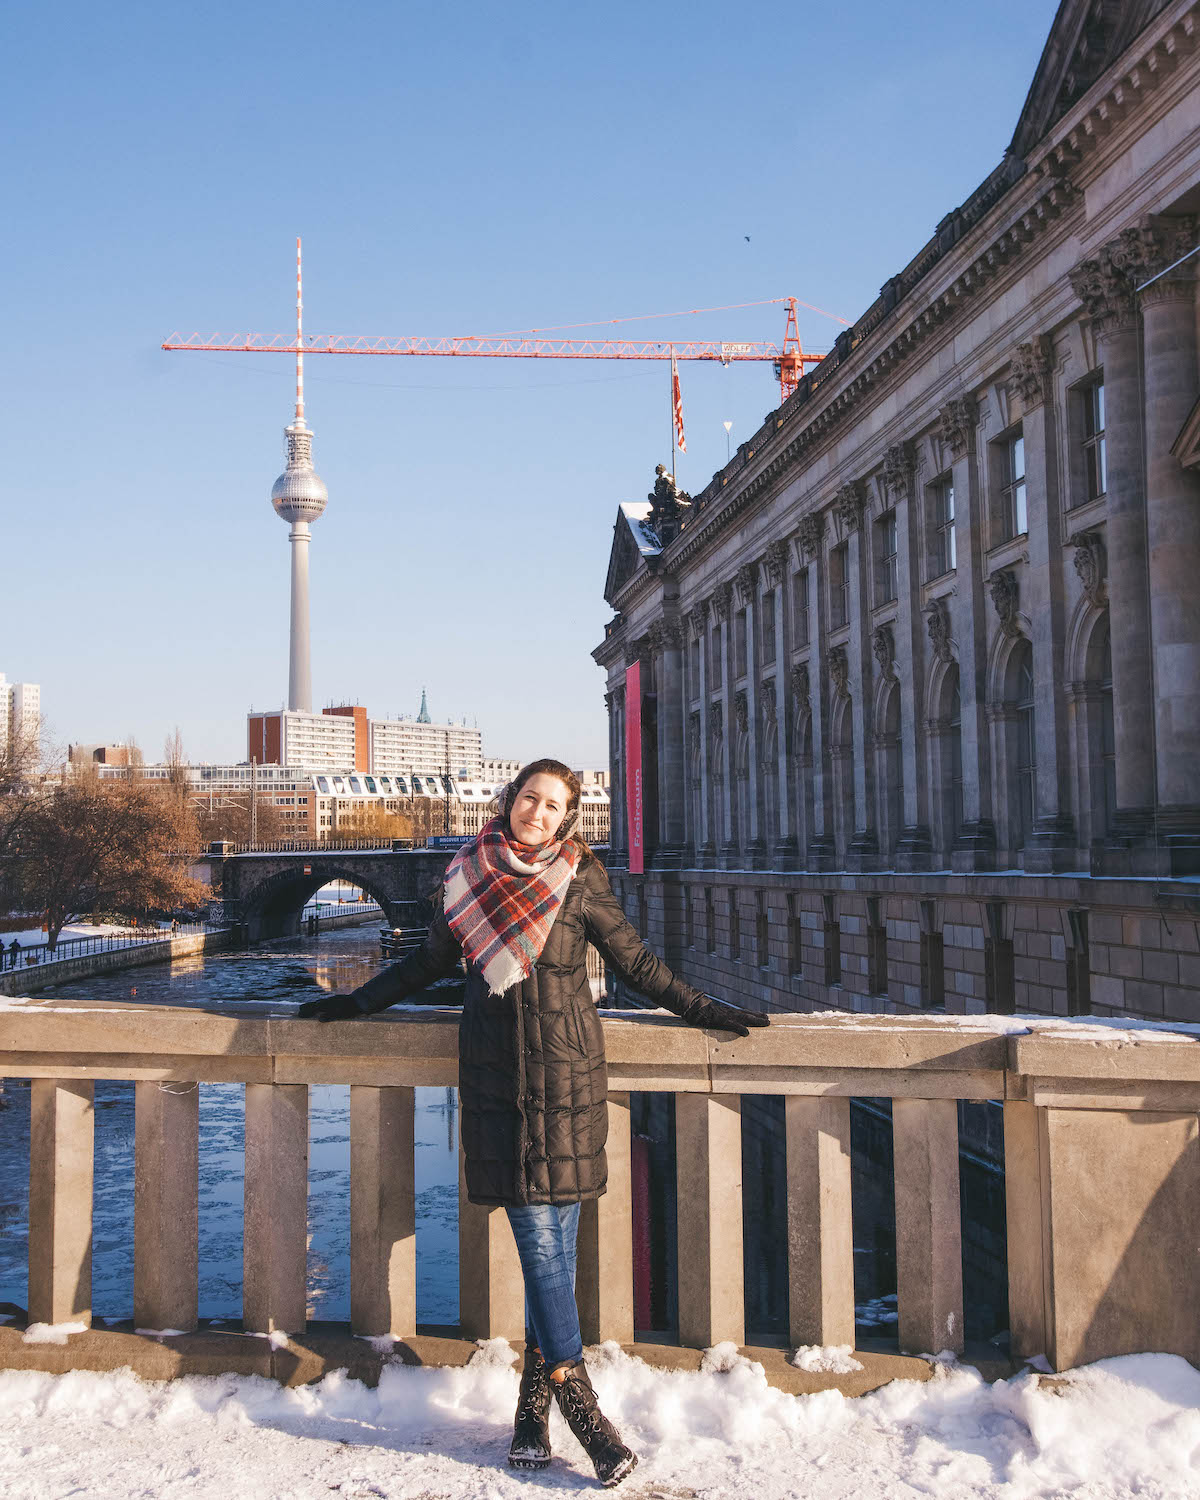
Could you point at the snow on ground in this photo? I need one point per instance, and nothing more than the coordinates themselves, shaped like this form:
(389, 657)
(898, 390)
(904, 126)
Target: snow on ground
(33, 936)
(1119, 1428)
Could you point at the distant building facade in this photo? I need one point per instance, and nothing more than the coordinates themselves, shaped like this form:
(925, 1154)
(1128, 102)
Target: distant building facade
(345, 737)
(920, 668)
(20, 711)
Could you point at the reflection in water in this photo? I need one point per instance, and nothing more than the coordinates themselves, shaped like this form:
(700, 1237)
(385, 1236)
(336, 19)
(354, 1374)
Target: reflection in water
(275, 977)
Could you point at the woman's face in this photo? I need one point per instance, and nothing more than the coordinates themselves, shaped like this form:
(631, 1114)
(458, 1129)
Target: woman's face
(539, 809)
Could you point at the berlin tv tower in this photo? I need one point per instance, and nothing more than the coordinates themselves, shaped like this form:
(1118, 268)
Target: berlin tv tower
(299, 497)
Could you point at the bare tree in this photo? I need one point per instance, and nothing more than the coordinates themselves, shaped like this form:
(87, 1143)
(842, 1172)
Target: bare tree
(122, 845)
(367, 820)
(225, 817)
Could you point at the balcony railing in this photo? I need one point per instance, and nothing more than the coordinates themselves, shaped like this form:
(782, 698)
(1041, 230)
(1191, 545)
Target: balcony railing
(27, 954)
(1100, 1141)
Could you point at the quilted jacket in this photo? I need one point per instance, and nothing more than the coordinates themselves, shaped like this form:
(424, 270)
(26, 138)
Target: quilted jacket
(533, 1084)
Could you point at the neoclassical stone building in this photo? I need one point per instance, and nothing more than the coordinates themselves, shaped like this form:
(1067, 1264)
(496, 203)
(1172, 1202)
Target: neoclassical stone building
(920, 668)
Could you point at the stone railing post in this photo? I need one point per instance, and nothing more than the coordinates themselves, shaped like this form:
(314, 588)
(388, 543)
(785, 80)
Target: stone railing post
(383, 1242)
(604, 1279)
(928, 1234)
(708, 1164)
(165, 1205)
(820, 1238)
(1024, 1183)
(61, 1146)
(274, 1255)
(491, 1290)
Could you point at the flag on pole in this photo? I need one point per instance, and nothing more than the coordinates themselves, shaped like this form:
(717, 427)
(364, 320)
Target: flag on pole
(677, 406)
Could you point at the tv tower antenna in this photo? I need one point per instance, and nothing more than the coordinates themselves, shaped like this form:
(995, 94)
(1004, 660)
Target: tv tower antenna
(299, 497)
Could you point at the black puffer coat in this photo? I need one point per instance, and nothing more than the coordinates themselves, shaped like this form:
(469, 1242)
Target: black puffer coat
(532, 1078)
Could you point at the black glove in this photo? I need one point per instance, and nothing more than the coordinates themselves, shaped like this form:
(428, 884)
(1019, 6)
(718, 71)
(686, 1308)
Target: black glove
(331, 1008)
(715, 1015)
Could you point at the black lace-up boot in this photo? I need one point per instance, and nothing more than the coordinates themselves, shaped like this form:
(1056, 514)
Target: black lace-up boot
(577, 1402)
(530, 1447)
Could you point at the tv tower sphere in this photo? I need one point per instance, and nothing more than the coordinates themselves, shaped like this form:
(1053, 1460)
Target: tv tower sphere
(298, 494)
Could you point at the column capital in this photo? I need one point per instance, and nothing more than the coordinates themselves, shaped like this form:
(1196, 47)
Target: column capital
(721, 600)
(812, 533)
(775, 562)
(697, 618)
(747, 579)
(1031, 364)
(957, 421)
(848, 502)
(899, 467)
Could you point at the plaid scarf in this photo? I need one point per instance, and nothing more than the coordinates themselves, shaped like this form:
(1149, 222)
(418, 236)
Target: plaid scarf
(502, 897)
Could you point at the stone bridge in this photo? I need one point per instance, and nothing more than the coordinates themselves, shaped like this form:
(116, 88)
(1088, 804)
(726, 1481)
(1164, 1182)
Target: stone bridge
(266, 892)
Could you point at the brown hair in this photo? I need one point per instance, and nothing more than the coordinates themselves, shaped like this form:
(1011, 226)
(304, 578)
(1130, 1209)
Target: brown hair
(561, 773)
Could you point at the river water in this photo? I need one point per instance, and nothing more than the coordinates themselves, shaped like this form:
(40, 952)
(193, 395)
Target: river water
(270, 976)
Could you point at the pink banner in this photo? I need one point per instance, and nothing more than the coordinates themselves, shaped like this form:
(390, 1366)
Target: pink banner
(633, 764)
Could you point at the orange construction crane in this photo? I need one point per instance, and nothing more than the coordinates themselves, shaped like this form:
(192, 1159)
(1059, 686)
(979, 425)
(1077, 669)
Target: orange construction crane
(789, 360)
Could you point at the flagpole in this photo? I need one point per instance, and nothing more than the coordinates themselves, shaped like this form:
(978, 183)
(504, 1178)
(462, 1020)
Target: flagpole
(671, 406)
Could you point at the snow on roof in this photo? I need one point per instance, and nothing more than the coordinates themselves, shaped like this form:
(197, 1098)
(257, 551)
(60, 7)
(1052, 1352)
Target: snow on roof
(637, 518)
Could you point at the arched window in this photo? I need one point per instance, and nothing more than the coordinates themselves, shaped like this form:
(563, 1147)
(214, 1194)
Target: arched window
(1025, 744)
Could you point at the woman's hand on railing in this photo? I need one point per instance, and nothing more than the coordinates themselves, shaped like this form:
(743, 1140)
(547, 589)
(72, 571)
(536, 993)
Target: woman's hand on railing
(717, 1015)
(330, 1008)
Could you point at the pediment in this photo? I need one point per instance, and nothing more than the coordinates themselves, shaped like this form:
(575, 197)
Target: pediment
(634, 546)
(1086, 38)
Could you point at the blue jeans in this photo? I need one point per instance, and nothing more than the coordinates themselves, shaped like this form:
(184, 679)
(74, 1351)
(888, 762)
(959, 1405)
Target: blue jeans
(545, 1236)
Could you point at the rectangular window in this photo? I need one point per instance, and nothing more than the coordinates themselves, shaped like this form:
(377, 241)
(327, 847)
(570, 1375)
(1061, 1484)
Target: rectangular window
(735, 924)
(710, 921)
(694, 668)
(1015, 518)
(795, 937)
(761, 935)
(833, 943)
(945, 559)
(877, 981)
(768, 628)
(999, 973)
(1079, 968)
(839, 586)
(739, 644)
(800, 608)
(689, 930)
(885, 558)
(1094, 455)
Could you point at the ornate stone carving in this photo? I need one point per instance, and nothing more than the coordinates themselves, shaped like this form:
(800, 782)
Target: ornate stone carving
(1003, 588)
(741, 709)
(747, 578)
(769, 704)
(899, 466)
(693, 733)
(716, 722)
(839, 671)
(637, 650)
(848, 505)
(1165, 238)
(669, 506)
(956, 424)
(883, 646)
(937, 622)
(1031, 366)
(800, 687)
(670, 635)
(697, 619)
(721, 601)
(775, 562)
(1091, 563)
(608, 703)
(812, 531)
(1105, 290)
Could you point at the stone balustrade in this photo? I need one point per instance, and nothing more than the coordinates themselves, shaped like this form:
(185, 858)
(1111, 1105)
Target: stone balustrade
(1101, 1147)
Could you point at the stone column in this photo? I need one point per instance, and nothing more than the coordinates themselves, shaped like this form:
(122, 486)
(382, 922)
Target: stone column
(165, 1205)
(1173, 516)
(667, 645)
(899, 477)
(61, 1151)
(1106, 292)
(618, 836)
(780, 839)
(747, 586)
(975, 846)
(274, 1251)
(383, 1243)
(727, 850)
(1052, 842)
(862, 851)
(702, 835)
(822, 851)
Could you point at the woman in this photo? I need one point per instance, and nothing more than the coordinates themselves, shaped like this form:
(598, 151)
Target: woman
(520, 904)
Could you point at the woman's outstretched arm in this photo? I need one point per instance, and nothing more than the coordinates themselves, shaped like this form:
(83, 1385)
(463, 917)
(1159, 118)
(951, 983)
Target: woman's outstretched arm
(436, 958)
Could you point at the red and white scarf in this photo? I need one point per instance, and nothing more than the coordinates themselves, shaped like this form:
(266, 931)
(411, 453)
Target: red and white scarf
(502, 897)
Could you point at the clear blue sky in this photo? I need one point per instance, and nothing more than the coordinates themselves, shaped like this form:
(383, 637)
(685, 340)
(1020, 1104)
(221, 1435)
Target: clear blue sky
(464, 169)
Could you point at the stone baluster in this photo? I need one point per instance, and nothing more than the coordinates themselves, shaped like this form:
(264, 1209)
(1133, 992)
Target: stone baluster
(928, 1237)
(61, 1150)
(1173, 516)
(1103, 286)
(166, 1205)
(604, 1280)
(1051, 844)
(708, 1164)
(820, 1238)
(383, 1253)
(275, 1219)
(975, 846)
(1023, 1212)
(491, 1290)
